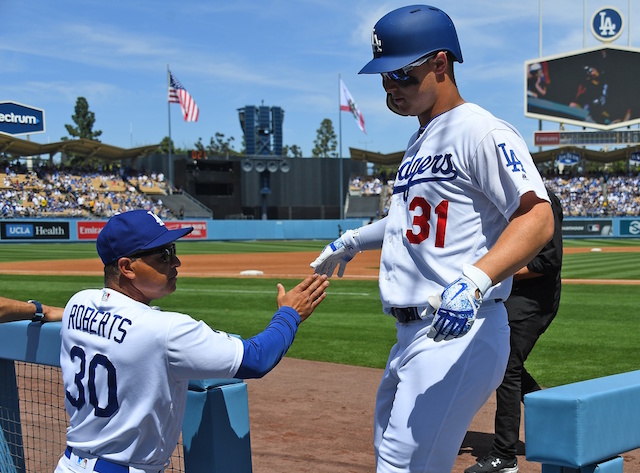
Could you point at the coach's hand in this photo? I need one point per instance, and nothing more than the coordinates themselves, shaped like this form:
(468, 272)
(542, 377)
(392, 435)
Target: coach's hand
(459, 304)
(52, 314)
(340, 252)
(306, 296)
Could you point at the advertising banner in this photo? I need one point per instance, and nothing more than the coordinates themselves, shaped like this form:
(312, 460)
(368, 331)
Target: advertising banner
(26, 230)
(593, 227)
(199, 229)
(90, 230)
(630, 228)
(18, 119)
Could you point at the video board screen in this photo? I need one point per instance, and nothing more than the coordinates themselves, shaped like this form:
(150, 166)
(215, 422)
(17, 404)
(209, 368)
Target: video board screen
(594, 88)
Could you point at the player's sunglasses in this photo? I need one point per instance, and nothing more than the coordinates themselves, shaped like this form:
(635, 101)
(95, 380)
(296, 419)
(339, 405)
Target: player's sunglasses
(402, 77)
(167, 252)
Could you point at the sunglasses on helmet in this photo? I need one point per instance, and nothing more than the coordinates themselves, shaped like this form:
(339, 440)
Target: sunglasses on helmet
(401, 75)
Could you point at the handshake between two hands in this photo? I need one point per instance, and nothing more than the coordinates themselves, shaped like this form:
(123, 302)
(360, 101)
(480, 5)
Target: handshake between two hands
(454, 310)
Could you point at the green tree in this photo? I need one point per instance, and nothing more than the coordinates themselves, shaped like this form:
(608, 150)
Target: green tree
(84, 120)
(200, 145)
(164, 147)
(293, 151)
(220, 145)
(326, 143)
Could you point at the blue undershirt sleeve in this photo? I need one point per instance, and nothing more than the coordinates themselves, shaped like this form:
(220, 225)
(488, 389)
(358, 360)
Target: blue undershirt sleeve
(263, 351)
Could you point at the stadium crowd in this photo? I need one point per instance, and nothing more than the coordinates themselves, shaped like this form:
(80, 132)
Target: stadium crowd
(598, 195)
(78, 192)
(366, 186)
(100, 193)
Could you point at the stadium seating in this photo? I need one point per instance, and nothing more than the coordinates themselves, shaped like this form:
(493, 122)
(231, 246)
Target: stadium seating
(581, 195)
(48, 192)
(45, 192)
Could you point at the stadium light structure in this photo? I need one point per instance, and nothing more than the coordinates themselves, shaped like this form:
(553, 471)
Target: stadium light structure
(262, 128)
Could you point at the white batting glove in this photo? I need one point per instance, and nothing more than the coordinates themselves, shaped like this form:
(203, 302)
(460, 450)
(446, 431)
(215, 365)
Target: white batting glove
(340, 252)
(459, 304)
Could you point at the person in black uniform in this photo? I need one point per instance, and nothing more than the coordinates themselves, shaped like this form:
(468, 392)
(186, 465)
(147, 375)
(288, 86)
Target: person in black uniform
(532, 305)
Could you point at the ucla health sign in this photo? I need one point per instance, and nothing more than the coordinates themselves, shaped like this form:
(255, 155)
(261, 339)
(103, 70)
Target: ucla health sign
(30, 230)
(18, 119)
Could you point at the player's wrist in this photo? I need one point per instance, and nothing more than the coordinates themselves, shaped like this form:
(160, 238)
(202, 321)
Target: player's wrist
(477, 277)
(38, 316)
(350, 240)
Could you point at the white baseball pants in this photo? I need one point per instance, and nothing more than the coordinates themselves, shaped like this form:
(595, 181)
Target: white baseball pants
(430, 392)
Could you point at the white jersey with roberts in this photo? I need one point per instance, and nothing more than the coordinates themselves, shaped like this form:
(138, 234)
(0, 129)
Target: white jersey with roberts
(126, 367)
(459, 182)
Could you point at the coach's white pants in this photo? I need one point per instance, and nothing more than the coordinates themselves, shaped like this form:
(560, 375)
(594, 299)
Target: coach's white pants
(430, 392)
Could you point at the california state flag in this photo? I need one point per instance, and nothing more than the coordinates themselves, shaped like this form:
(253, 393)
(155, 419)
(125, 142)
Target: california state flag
(347, 104)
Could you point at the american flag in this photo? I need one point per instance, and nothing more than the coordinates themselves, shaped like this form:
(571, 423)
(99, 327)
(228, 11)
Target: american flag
(178, 94)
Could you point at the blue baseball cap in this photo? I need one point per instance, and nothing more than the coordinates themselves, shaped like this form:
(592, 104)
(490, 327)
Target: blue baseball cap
(133, 231)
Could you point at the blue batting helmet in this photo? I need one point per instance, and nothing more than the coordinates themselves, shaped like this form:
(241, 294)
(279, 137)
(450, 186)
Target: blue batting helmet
(409, 33)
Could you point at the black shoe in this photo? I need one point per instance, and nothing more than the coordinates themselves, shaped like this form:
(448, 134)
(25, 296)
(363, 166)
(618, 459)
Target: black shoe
(494, 464)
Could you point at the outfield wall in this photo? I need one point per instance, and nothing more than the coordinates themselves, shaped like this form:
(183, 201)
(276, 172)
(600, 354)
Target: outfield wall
(74, 230)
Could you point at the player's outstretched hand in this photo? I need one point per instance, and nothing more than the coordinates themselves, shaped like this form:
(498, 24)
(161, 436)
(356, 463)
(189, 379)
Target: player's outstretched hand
(458, 304)
(339, 252)
(306, 296)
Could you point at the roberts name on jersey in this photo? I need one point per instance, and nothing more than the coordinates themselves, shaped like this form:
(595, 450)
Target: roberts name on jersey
(98, 322)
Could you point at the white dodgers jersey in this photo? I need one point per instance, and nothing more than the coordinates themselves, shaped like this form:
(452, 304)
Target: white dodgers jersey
(459, 182)
(126, 367)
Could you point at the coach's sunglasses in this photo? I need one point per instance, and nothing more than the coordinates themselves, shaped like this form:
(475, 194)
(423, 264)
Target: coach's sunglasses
(167, 252)
(402, 77)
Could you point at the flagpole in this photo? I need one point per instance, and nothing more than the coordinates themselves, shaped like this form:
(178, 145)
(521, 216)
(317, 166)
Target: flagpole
(340, 146)
(169, 119)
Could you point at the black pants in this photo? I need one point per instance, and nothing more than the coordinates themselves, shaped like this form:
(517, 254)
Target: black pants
(516, 383)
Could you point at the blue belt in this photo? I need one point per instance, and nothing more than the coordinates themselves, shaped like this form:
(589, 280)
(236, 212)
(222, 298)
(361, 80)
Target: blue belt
(102, 466)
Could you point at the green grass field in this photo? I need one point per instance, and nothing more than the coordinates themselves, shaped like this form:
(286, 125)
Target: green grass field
(594, 334)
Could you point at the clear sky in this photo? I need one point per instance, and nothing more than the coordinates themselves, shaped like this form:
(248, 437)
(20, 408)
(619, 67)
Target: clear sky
(286, 53)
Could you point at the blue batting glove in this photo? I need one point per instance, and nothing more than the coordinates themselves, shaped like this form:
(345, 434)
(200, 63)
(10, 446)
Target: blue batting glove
(459, 304)
(339, 252)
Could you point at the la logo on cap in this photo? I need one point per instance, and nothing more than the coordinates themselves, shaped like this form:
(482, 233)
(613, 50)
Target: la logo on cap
(160, 222)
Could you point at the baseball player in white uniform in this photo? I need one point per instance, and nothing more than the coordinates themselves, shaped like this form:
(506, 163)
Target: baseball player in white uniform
(468, 209)
(126, 365)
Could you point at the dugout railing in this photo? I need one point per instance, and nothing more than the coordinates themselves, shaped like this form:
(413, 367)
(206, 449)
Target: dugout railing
(215, 432)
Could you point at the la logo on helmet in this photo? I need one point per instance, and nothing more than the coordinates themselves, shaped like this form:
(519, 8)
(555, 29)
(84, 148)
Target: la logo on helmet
(376, 44)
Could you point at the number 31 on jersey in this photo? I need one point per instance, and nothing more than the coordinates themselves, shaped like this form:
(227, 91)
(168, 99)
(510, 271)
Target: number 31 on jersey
(421, 216)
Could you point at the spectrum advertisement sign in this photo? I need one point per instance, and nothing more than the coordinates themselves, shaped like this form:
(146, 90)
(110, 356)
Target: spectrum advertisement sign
(34, 230)
(18, 119)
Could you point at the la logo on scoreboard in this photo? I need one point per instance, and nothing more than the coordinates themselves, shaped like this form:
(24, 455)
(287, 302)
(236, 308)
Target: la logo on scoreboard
(607, 24)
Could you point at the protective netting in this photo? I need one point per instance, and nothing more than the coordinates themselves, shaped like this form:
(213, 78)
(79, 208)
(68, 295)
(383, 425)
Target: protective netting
(34, 420)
